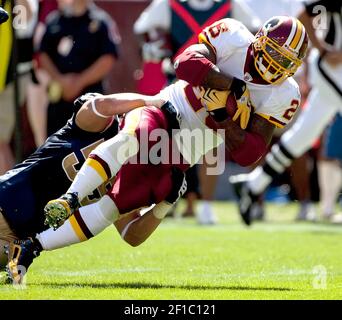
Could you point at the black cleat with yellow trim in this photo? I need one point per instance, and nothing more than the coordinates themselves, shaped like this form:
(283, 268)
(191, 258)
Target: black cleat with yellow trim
(20, 255)
(59, 210)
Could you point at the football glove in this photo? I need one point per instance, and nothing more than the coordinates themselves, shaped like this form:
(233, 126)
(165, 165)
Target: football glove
(244, 109)
(215, 102)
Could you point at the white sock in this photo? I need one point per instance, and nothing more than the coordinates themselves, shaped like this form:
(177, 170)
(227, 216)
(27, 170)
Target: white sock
(330, 180)
(258, 181)
(85, 223)
(86, 181)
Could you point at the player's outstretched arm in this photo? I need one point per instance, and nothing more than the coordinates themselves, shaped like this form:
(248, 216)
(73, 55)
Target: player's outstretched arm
(96, 113)
(119, 103)
(136, 228)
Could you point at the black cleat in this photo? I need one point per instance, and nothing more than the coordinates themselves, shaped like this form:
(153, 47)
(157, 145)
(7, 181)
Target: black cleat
(3, 16)
(246, 200)
(58, 210)
(20, 256)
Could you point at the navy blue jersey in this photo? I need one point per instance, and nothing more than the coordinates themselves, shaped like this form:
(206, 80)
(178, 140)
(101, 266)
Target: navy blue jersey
(45, 175)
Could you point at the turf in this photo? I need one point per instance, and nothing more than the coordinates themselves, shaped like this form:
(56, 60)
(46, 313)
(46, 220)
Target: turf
(278, 259)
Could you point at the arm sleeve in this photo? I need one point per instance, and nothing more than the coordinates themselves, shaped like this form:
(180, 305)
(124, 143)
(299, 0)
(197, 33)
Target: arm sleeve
(250, 151)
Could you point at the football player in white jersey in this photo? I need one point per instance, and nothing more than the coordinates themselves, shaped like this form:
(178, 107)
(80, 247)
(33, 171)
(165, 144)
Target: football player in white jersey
(228, 60)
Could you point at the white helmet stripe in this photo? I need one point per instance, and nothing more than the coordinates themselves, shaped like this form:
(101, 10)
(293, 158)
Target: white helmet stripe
(301, 40)
(292, 33)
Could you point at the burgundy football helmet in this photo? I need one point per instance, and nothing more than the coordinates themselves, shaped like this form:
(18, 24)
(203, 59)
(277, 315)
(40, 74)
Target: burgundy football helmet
(279, 48)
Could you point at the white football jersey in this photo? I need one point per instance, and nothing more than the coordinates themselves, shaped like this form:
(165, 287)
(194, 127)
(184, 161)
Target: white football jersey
(230, 41)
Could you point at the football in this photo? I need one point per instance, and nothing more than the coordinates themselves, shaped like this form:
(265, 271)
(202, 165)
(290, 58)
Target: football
(231, 105)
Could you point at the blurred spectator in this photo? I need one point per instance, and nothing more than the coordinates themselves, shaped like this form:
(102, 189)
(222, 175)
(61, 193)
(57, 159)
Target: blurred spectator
(324, 29)
(262, 10)
(78, 50)
(37, 99)
(167, 27)
(18, 29)
(329, 168)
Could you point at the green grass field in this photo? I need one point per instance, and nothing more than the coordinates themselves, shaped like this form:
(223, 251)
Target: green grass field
(279, 259)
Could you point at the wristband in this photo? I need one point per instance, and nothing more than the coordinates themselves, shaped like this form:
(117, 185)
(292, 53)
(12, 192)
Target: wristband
(93, 106)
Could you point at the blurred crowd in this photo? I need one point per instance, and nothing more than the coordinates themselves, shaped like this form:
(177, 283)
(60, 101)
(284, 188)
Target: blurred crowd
(54, 51)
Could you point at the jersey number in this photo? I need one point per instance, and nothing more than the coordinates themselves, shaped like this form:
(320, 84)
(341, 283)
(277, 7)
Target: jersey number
(217, 28)
(71, 164)
(289, 113)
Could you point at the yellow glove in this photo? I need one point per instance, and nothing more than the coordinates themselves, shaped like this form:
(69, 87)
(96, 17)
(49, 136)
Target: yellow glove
(213, 99)
(244, 109)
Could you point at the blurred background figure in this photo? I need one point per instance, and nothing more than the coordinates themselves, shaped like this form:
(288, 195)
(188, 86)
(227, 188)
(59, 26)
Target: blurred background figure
(167, 27)
(324, 103)
(37, 98)
(329, 169)
(325, 77)
(15, 64)
(78, 50)
(298, 175)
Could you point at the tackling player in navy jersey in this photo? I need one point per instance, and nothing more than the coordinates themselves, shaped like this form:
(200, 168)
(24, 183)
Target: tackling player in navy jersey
(26, 188)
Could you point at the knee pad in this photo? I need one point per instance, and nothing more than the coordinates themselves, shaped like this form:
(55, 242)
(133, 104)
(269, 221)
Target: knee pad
(117, 150)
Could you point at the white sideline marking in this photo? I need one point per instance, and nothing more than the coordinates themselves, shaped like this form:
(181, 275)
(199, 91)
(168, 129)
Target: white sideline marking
(85, 273)
(192, 272)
